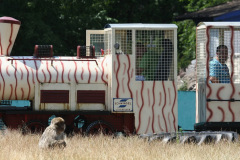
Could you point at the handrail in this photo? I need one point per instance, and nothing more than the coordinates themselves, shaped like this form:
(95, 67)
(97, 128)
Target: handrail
(50, 59)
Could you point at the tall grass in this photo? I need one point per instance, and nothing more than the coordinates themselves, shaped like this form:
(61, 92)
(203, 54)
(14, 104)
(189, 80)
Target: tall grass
(15, 146)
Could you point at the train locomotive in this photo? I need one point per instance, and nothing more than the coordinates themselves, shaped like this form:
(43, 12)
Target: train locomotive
(123, 80)
(101, 87)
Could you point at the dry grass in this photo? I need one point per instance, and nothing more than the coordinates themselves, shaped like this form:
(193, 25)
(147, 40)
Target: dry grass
(15, 146)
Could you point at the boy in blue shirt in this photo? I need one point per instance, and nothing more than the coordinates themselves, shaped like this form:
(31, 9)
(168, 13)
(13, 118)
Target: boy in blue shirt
(218, 70)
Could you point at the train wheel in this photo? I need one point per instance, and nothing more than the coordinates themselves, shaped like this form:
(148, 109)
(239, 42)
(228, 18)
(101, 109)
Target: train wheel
(33, 127)
(98, 127)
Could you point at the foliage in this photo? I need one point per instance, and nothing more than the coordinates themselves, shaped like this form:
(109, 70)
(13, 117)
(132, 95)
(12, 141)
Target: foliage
(187, 31)
(183, 87)
(195, 5)
(186, 43)
(63, 23)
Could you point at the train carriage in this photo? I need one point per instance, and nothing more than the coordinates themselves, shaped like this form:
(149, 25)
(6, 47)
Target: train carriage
(217, 103)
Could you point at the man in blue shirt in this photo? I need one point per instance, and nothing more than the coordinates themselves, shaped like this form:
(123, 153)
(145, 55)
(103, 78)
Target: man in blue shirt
(218, 70)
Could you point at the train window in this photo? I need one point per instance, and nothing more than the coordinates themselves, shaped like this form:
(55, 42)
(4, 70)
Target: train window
(220, 51)
(154, 55)
(97, 40)
(123, 42)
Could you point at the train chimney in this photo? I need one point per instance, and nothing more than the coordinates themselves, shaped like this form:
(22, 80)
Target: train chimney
(8, 32)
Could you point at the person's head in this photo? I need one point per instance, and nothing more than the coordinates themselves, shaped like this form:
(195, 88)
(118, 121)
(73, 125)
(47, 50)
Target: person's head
(222, 53)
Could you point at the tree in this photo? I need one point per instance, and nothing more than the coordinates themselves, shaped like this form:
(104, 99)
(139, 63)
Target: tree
(187, 31)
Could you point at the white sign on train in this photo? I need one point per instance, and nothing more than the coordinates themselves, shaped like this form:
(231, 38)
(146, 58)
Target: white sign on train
(122, 104)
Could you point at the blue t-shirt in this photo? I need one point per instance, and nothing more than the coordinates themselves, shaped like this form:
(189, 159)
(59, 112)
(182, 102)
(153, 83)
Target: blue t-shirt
(219, 70)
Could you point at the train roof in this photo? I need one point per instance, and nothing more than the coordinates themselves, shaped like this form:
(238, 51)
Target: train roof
(218, 24)
(141, 25)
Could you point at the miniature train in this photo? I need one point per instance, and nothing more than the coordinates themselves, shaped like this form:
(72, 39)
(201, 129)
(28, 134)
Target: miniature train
(123, 80)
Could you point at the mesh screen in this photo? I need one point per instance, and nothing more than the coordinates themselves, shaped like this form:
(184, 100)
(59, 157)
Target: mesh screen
(201, 55)
(97, 40)
(107, 42)
(123, 41)
(220, 51)
(154, 55)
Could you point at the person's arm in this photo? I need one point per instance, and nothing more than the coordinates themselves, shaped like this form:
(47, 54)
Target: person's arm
(214, 80)
(213, 72)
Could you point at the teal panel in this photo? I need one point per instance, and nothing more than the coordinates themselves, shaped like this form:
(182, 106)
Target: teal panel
(186, 109)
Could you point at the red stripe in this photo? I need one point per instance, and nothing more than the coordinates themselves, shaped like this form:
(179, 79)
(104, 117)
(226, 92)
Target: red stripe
(223, 113)
(123, 85)
(117, 90)
(44, 76)
(124, 70)
(164, 105)
(159, 124)
(15, 74)
(170, 101)
(218, 92)
(149, 118)
(153, 88)
(10, 97)
(174, 101)
(2, 78)
(210, 114)
(75, 72)
(128, 83)
(69, 75)
(232, 73)
(21, 73)
(29, 87)
(82, 73)
(96, 75)
(160, 98)
(207, 72)
(35, 62)
(139, 114)
(33, 76)
(132, 73)
(137, 99)
(10, 39)
(149, 101)
(57, 74)
(22, 93)
(89, 78)
(62, 71)
(50, 76)
(103, 70)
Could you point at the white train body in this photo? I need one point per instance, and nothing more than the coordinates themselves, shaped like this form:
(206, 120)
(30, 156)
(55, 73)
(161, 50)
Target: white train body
(24, 77)
(107, 82)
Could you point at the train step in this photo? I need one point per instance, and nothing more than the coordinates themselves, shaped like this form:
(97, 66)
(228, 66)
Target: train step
(198, 138)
